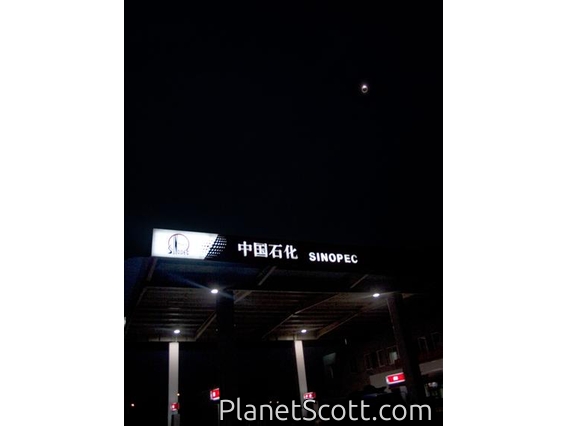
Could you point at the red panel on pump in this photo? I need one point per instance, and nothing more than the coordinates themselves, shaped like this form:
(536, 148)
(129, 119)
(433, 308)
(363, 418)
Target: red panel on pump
(215, 394)
(395, 378)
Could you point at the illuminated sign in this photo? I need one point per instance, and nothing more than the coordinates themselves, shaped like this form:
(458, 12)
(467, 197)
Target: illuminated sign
(310, 395)
(215, 394)
(205, 246)
(175, 406)
(395, 378)
(185, 245)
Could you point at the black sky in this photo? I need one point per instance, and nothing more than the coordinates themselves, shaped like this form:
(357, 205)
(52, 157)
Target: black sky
(248, 120)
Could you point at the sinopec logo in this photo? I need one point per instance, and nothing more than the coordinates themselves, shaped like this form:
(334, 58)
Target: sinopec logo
(178, 244)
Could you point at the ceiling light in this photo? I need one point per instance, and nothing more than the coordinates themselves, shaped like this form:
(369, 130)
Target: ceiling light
(214, 291)
(376, 295)
(304, 331)
(176, 332)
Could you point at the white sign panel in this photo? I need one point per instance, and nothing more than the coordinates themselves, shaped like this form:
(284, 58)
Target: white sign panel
(183, 244)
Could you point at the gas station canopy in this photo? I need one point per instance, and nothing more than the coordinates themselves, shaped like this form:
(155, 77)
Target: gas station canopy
(282, 290)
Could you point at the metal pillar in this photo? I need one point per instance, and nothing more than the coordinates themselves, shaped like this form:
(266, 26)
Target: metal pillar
(301, 369)
(226, 349)
(406, 350)
(173, 382)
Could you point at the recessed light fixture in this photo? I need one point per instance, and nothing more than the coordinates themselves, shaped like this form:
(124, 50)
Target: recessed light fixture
(177, 331)
(364, 88)
(376, 295)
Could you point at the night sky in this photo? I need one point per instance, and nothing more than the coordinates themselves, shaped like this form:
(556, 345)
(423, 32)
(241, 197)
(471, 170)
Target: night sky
(249, 120)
